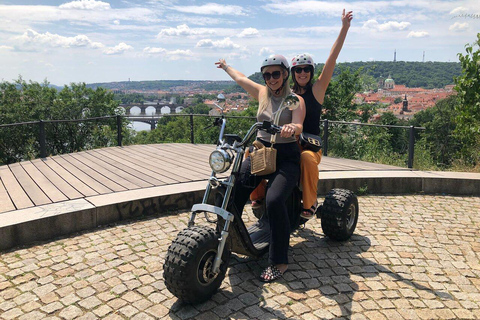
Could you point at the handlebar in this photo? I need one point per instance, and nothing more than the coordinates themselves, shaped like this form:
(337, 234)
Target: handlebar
(216, 123)
(270, 127)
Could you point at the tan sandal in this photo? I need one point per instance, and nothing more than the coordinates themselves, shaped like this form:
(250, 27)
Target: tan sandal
(309, 213)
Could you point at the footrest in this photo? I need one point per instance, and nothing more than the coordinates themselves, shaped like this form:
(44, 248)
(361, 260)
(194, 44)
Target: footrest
(260, 234)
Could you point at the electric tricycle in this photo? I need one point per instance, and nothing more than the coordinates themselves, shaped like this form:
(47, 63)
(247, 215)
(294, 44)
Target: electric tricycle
(197, 260)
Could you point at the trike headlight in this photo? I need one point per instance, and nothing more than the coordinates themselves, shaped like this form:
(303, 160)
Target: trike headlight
(220, 161)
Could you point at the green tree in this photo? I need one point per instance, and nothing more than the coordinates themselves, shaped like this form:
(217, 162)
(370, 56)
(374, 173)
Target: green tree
(22, 101)
(200, 108)
(398, 138)
(468, 87)
(438, 139)
(339, 103)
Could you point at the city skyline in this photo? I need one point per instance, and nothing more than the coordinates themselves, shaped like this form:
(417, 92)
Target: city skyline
(104, 41)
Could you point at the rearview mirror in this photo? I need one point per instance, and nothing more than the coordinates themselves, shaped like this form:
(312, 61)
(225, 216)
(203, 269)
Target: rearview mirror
(220, 102)
(292, 102)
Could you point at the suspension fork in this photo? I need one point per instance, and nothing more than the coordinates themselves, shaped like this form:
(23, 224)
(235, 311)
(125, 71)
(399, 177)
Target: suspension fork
(226, 200)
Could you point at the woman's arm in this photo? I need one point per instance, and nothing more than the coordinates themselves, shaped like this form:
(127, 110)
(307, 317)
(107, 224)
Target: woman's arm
(320, 87)
(296, 127)
(250, 86)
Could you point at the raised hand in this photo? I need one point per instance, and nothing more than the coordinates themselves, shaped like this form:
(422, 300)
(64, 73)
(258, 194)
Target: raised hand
(222, 64)
(346, 18)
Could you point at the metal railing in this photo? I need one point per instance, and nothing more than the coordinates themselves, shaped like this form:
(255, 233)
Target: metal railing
(326, 126)
(42, 138)
(411, 135)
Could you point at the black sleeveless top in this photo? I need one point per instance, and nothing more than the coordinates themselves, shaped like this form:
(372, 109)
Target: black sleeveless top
(311, 124)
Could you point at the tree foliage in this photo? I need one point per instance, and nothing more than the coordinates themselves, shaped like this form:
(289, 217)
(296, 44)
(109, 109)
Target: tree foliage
(468, 87)
(409, 73)
(339, 103)
(439, 139)
(22, 101)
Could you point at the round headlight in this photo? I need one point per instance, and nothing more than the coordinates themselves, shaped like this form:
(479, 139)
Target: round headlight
(220, 161)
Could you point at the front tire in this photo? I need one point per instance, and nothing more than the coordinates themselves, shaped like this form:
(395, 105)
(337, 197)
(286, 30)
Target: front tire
(339, 214)
(188, 264)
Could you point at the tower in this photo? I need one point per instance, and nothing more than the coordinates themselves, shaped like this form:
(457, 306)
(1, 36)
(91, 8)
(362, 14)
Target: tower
(423, 56)
(405, 104)
(395, 55)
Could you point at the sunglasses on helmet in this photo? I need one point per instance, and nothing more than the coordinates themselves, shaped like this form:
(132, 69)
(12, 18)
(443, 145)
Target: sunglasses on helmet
(275, 75)
(300, 69)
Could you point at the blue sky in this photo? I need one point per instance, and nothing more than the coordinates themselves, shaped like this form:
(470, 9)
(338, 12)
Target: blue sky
(114, 40)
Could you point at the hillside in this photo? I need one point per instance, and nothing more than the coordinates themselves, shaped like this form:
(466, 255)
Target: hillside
(427, 75)
(163, 85)
(412, 74)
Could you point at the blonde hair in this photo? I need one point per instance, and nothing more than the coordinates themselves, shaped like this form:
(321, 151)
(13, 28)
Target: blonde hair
(265, 102)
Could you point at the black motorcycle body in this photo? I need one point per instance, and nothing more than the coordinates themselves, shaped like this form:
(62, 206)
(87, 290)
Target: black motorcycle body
(197, 260)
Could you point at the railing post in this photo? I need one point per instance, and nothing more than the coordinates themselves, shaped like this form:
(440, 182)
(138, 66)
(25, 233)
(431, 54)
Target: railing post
(192, 140)
(119, 130)
(411, 146)
(42, 139)
(325, 137)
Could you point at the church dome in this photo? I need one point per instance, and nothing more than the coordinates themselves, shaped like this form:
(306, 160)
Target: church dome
(389, 83)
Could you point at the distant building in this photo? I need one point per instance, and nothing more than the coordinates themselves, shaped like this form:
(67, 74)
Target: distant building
(389, 83)
(405, 104)
(413, 99)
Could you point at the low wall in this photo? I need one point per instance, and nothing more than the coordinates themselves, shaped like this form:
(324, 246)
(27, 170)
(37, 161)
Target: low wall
(22, 227)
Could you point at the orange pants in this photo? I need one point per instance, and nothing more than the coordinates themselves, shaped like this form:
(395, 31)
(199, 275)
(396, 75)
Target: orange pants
(309, 162)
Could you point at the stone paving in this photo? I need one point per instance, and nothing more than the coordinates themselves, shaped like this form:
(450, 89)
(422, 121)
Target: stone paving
(412, 257)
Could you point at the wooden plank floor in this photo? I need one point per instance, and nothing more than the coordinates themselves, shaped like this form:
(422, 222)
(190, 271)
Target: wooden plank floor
(108, 170)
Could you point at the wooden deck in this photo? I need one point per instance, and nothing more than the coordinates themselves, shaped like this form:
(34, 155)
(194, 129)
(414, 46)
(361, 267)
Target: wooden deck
(110, 170)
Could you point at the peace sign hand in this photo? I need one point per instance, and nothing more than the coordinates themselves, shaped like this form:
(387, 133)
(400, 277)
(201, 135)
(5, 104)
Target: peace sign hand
(346, 18)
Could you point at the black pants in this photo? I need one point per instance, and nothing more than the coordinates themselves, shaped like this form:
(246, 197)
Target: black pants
(280, 186)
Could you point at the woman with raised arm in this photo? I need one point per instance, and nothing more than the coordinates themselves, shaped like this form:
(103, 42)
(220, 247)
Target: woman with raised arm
(275, 70)
(303, 69)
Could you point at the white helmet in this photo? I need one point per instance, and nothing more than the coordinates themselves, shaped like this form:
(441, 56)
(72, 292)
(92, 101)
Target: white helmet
(302, 59)
(275, 60)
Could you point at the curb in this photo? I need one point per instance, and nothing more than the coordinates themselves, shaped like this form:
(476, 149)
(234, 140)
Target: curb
(23, 227)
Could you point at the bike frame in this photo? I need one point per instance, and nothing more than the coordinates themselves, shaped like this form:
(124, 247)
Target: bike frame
(237, 148)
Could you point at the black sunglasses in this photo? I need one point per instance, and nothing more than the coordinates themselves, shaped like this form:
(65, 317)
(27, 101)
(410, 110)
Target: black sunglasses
(306, 70)
(274, 75)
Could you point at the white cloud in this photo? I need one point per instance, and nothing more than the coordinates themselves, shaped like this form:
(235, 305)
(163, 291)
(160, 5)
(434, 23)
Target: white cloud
(360, 8)
(220, 44)
(116, 22)
(417, 34)
(170, 55)
(249, 33)
(212, 9)
(26, 15)
(183, 30)
(149, 50)
(86, 5)
(54, 40)
(305, 7)
(457, 26)
(459, 10)
(6, 48)
(179, 54)
(387, 26)
(265, 51)
(118, 49)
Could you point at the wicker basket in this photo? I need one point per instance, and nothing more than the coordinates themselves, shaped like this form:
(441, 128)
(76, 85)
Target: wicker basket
(263, 159)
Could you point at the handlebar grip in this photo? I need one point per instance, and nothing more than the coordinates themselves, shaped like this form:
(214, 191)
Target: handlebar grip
(270, 127)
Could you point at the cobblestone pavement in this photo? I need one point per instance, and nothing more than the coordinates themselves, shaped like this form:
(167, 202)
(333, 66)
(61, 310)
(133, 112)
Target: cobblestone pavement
(412, 257)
